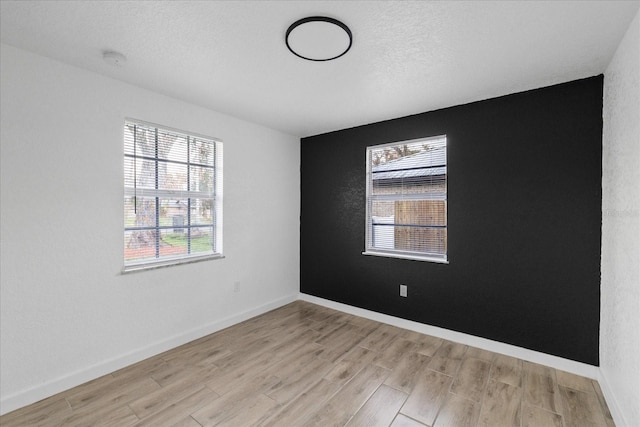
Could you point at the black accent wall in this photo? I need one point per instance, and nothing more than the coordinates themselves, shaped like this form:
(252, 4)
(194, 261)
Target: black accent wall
(524, 218)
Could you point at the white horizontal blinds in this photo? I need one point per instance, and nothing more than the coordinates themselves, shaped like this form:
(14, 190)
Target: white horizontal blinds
(407, 198)
(170, 194)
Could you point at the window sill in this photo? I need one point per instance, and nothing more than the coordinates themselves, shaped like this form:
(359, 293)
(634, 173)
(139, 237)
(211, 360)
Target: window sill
(412, 257)
(168, 263)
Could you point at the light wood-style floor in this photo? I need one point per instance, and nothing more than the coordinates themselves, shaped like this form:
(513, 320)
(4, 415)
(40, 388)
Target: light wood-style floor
(307, 365)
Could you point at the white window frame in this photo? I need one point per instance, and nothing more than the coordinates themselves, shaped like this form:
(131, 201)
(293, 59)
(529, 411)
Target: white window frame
(398, 253)
(215, 194)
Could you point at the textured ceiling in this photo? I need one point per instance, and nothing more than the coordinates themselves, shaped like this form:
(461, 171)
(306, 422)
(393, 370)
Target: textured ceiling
(407, 57)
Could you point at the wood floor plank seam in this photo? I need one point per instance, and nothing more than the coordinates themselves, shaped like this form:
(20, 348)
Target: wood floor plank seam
(417, 422)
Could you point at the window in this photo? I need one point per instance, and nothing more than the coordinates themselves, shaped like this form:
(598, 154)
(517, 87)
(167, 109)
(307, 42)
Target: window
(407, 200)
(172, 196)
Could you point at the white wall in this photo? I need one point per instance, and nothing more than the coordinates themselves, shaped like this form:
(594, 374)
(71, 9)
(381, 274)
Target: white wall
(67, 313)
(620, 289)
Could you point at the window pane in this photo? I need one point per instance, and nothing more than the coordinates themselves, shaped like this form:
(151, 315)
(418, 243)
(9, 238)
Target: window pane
(139, 140)
(172, 146)
(382, 236)
(383, 208)
(142, 170)
(202, 211)
(172, 176)
(420, 212)
(173, 212)
(173, 242)
(139, 245)
(201, 179)
(419, 239)
(202, 240)
(139, 212)
(201, 152)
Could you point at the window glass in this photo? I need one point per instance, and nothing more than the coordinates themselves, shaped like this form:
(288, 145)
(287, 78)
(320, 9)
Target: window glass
(407, 199)
(172, 196)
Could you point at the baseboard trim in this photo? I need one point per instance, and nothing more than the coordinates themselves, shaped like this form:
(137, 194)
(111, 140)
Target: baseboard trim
(609, 396)
(556, 362)
(65, 382)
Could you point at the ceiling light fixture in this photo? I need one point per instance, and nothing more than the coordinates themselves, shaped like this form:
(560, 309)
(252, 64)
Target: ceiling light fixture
(318, 38)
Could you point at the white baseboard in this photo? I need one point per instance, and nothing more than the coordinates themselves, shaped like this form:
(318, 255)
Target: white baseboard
(556, 362)
(65, 382)
(616, 413)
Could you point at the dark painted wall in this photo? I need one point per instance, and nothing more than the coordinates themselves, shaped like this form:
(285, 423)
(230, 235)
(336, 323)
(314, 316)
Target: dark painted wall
(524, 192)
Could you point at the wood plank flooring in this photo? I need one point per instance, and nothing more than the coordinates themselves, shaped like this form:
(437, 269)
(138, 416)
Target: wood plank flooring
(307, 365)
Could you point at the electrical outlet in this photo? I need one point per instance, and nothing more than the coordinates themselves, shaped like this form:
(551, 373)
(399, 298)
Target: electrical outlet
(236, 286)
(403, 290)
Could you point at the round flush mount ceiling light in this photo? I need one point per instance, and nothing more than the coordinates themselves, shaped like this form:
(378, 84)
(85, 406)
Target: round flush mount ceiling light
(114, 58)
(318, 38)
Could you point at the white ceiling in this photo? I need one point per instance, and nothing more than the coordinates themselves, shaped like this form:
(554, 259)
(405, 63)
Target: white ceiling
(407, 57)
